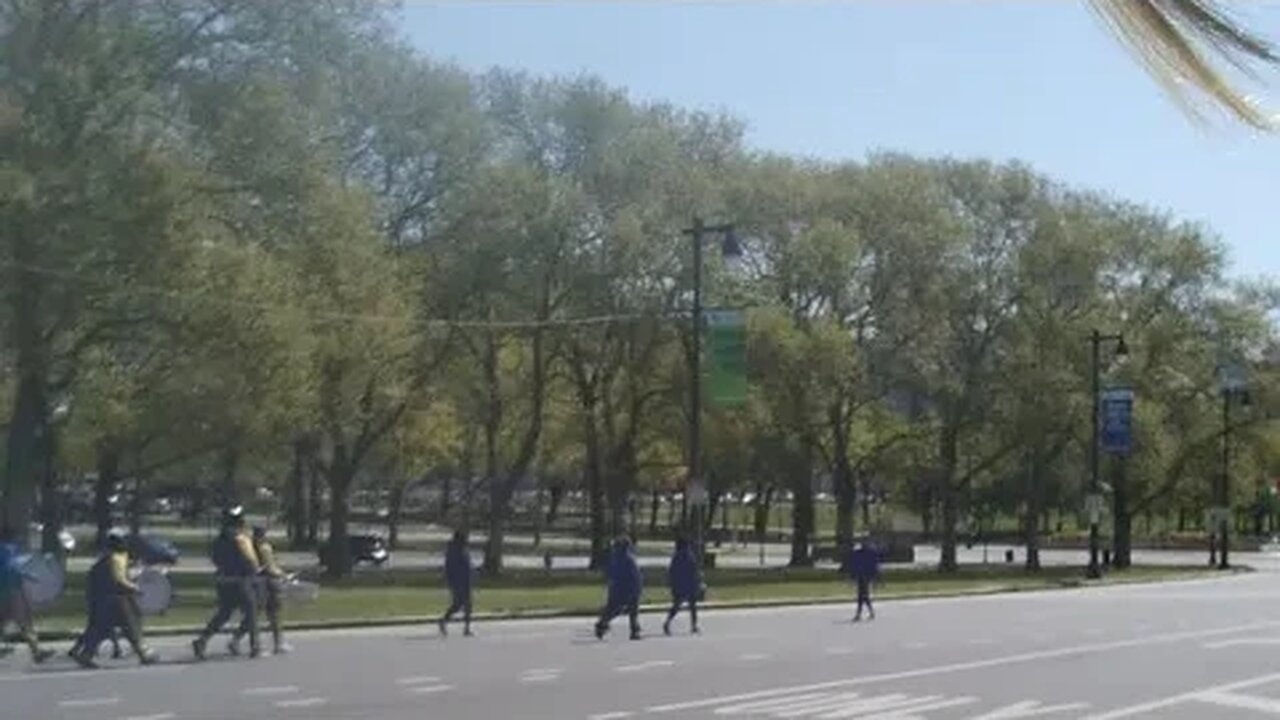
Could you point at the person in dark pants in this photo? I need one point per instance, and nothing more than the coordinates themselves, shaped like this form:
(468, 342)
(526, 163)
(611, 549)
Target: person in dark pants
(864, 567)
(270, 575)
(625, 586)
(112, 605)
(457, 573)
(685, 580)
(14, 606)
(236, 567)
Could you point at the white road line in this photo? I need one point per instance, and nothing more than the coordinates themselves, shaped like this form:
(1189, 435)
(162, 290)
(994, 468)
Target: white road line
(910, 710)
(277, 690)
(89, 702)
(430, 689)
(543, 671)
(1238, 642)
(638, 667)
(418, 680)
(303, 703)
(852, 707)
(760, 708)
(1146, 707)
(915, 645)
(753, 657)
(611, 716)
(970, 665)
(157, 716)
(1243, 702)
(1029, 708)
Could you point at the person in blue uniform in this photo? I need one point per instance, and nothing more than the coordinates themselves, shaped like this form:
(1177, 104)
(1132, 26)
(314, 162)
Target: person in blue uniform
(112, 605)
(236, 569)
(864, 568)
(457, 573)
(14, 606)
(625, 587)
(685, 580)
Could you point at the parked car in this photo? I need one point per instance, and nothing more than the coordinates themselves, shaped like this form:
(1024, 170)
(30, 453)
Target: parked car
(153, 550)
(368, 548)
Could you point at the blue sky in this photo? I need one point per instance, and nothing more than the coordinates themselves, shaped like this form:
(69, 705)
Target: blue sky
(1036, 80)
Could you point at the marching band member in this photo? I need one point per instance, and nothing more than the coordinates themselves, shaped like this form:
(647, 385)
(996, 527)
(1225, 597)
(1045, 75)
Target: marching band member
(13, 600)
(112, 604)
(271, 576)
(236, 566)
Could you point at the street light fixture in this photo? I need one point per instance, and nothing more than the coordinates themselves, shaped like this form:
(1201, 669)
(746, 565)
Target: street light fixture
(1096, 339)
(731, 249)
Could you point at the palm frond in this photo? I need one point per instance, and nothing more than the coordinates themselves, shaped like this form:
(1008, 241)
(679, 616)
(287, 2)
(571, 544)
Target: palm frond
(1187, 45)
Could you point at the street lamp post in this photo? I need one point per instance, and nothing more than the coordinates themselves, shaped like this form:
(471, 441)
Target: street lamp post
(1096, 339)
(696, 490)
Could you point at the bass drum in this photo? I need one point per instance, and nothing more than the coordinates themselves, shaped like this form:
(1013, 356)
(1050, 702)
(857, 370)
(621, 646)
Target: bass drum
(155, 592)
(43, 580)
(299, 592)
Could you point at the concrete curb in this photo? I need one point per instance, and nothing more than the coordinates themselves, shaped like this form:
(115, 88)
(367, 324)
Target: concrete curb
(762, 603)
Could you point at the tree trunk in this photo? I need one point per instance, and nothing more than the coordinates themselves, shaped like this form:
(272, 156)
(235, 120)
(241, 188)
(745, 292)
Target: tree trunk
(337, 549)
(946, 487)
(108, 461)
(802, 516)
(30, 409)
(655, 502)
(298, 497)
(396, 502)
(1031, 519)
(316, 501)
(22, 457)
(500, 499)
(50, 514)
(845, 502)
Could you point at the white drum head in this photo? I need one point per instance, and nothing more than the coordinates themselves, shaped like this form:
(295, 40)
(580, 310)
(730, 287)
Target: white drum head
(42, 580)
(155, 593)
(300, 591)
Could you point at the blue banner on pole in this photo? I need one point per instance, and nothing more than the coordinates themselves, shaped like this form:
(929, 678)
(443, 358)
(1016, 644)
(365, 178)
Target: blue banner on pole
(1117, 421)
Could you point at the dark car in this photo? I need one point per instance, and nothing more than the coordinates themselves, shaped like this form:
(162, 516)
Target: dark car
(153, 550)
(370, 549)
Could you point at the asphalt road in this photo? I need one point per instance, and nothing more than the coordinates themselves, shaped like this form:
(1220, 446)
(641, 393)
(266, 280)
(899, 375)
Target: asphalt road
(1202, 649)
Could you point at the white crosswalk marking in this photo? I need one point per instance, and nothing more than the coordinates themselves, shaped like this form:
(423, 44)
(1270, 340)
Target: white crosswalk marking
(1241, 701)
(1029, 708)
(762, 706)
(875, 705)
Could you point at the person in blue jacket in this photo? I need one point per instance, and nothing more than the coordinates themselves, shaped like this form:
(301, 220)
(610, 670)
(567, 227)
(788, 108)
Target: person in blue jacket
(625, 586)
(457, 572)
(685, 580)
(864, 568)
(14, 606)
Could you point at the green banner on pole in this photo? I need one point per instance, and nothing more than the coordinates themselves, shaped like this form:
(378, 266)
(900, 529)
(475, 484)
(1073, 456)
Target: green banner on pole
(727, 356)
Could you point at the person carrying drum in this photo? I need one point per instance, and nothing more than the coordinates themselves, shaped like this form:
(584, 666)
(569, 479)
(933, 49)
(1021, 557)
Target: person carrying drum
(113, 604)
(236, 567)
(271, 576)
(457, 573)
(13, 599)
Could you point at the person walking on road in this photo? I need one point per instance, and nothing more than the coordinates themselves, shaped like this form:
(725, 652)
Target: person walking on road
(457, 573)
(864, 567)
(112, 605)
(685, 580)
(625, 586)
(270, 576)
(14, 606)
(236, 567)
